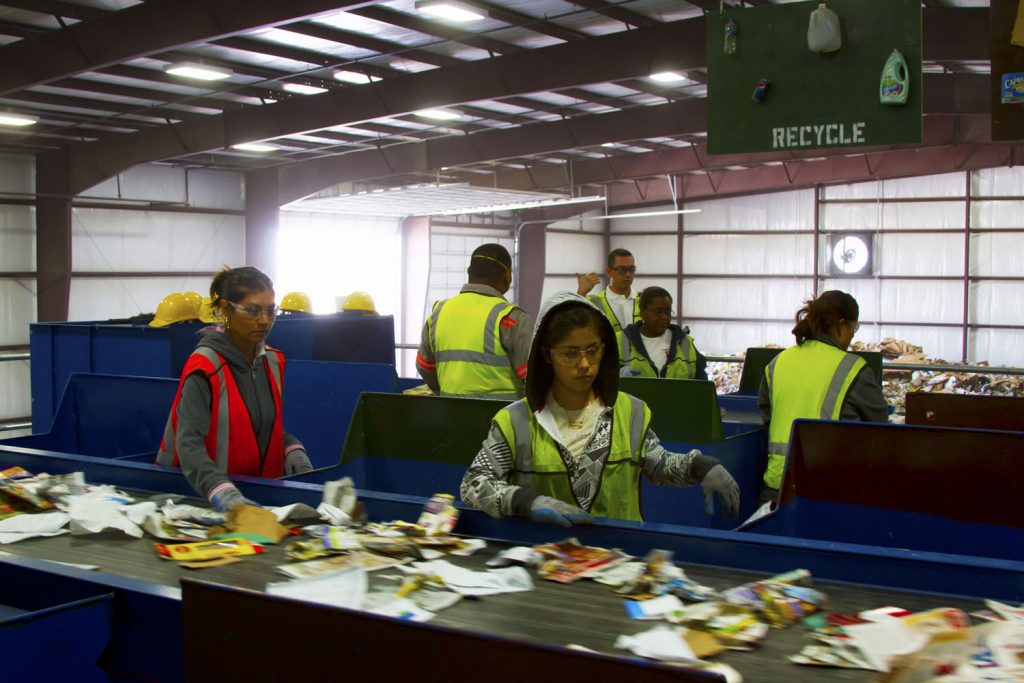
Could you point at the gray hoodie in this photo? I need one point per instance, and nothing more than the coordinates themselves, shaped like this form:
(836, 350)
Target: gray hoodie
(194, 414)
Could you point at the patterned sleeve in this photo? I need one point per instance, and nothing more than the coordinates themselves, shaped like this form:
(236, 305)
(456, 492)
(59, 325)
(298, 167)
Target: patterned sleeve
(665, 468)
(485, 485)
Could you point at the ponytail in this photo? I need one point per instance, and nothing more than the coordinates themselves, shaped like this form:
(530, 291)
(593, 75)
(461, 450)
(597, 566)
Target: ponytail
(232, 284)
(822, 315)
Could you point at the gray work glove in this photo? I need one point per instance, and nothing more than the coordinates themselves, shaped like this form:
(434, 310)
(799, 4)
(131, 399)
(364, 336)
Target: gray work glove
(548, 509)
(228, 497)
(297, 462)
(718, 480)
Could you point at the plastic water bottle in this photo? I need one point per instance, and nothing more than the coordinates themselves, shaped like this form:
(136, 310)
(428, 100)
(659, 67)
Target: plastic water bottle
(730, 36)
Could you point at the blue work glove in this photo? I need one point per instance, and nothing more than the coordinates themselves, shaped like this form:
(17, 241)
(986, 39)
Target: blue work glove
(228, 497)
(718, 480)
(552, 510)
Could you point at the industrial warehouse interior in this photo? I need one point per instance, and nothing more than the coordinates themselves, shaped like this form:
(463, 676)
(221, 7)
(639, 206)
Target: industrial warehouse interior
(653, 338)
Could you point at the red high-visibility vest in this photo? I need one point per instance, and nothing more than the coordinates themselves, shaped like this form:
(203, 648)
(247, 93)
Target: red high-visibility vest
(231, 440)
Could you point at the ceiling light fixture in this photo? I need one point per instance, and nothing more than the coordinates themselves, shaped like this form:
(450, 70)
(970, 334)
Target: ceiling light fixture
(439, 114)
(196, 71)
(303, 89)
(609, 144)
(355, 77)
(254, 147)
(451, 10)
(667, 77)
(17, 120)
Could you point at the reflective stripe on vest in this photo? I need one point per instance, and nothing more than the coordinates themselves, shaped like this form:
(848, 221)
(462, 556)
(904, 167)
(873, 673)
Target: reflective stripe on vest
(231, 440)
(465, 335)
(682, 365)
(806, 381)
(538, 463)
(601, 301)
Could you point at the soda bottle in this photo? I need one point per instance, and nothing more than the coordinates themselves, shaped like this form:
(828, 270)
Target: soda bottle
(730, 36)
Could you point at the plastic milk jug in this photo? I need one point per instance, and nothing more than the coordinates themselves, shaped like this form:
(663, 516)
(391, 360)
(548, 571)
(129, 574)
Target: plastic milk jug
(895, 82)
(823, 34)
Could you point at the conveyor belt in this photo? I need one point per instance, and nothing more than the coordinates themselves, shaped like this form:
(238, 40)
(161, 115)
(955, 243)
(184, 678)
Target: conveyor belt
(584, 613)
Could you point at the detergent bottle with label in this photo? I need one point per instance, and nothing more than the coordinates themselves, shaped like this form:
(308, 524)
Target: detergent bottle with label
(894, 85)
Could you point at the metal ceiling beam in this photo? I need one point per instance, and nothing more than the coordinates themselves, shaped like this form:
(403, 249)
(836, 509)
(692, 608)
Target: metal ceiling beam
(143, 30)
(676, 45)
(875, 166)
(527, 21)
(366, 42)
(56, 8)
(940, 131)
(306, 178)
(623, 14)
(434, 28)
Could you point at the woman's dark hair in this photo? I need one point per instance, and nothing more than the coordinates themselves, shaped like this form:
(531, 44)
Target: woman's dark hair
(649, 294)
(824, 313)
(235, 284)
(558, 324)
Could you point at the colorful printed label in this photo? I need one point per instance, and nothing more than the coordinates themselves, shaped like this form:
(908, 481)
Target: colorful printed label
(1012, 91)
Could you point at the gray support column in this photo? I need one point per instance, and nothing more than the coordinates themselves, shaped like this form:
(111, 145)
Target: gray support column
(261, 219)
(530, 274)
(53, 237)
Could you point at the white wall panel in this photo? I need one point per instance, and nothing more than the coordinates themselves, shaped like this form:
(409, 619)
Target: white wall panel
(908, 254)
(216, 189)
(998, 347)
(652, 253)
(748, 254)
(156, 182)
(776, 211)
(576, 253)
(105, 240)
(17, 238)
(999, 182)
(15, 400)
(729, 338)
(105, 298)
(998, 214)
(1000, 255)
(17, 173)
(18, 304)
(939, 185)
(904, 300)
(905, 216)
(557, 284)
(997, 303)
(747, 298)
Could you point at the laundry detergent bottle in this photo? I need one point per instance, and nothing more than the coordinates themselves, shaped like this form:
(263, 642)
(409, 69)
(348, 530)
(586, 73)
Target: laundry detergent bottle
(894, 86)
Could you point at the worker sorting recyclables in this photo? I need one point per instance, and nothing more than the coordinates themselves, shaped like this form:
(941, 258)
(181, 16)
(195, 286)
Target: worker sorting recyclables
(617, 301)
(576, 446)
(477, 343)
(657, 347)
(226, 416)
(816, 379)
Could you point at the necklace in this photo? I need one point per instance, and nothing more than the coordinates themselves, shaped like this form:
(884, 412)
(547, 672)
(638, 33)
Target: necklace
(575, 417)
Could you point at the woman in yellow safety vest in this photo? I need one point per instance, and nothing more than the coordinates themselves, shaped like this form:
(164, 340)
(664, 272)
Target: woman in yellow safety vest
(657, 347)
(816, 379)
(576, 445)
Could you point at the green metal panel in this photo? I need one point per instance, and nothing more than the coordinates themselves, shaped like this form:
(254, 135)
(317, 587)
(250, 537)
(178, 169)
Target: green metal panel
(813, 100)
(757, 359)
(424, 428)
(681, 409)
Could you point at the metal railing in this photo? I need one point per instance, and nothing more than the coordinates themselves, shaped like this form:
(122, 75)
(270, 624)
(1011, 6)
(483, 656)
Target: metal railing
(931, 367)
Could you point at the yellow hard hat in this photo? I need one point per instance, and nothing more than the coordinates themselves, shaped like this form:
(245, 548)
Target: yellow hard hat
(195, 297)
(296, 301)
(359, 301)
(207, 313)
(174, 308)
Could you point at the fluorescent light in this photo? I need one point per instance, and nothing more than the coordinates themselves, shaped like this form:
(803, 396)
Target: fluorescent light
(254, 147)
(450, 10)
(537, 203)
(609, 144)
(439, 114)
(303, 89)
(667, 77)
(199, 72)
(637, 215)
(354, 77)
(16, 120)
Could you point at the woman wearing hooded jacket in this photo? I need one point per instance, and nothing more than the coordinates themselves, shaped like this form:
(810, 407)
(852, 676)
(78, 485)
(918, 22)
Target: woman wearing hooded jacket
(576, 446)
(226, 416)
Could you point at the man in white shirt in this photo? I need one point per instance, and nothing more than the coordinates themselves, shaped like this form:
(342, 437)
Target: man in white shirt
(618, 301)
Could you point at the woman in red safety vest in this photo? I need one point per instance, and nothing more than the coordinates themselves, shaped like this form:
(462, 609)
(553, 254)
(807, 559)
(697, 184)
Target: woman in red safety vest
(226, 416)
